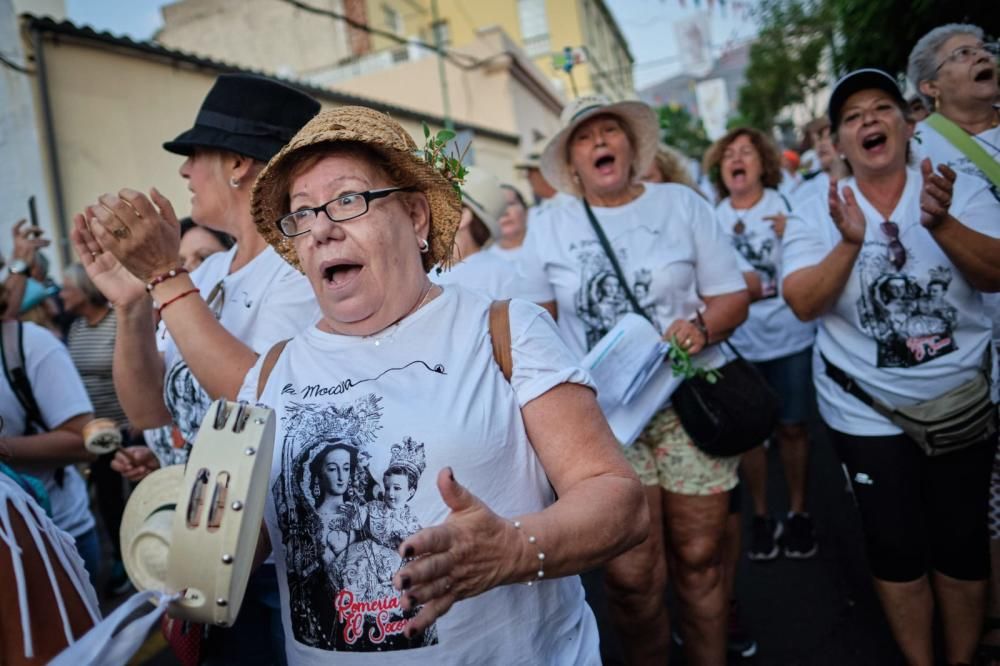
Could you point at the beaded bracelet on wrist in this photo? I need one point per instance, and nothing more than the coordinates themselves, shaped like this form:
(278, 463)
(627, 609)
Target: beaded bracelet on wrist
(159, 279)
(540, 574)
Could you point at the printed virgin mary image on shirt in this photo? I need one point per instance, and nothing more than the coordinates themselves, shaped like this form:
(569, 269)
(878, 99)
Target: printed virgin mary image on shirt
(342, 523)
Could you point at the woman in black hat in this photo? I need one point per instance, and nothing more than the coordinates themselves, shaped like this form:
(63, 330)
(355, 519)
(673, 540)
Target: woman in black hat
(892, 266)
(215, 319)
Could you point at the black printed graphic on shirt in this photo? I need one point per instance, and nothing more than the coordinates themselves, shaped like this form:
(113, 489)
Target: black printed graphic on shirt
(341, 523)
(186, 401)
(601, 300)
(759, 250)
(911, 320)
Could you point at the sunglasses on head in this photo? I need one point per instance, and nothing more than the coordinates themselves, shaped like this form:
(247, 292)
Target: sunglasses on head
(897, 253)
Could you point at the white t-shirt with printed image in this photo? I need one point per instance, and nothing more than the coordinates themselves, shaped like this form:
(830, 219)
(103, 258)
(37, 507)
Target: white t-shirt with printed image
(668, 244)
(264, 301)
(933, 145)
(485, 272)
(60, 395)
(771, 330)
(363, 430)
(906, 336)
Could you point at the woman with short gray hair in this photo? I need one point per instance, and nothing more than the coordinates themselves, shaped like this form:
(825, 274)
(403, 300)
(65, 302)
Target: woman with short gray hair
(956, 73)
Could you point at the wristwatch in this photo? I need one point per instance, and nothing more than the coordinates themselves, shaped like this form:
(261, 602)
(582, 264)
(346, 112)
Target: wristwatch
(19, 267)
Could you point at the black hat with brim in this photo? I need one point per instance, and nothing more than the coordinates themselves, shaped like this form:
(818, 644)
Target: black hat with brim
(861, 79)
(249, 115)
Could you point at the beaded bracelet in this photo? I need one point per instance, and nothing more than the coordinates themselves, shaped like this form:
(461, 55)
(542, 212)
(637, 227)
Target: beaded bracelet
(161, 308)
(541, 556)
(172, 273)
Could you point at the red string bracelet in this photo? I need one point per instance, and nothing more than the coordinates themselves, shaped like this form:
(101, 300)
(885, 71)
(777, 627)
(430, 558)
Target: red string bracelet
(161, 308)
(172, 273)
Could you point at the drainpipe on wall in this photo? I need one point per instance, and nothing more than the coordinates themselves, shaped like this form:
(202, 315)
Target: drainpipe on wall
(51, 149)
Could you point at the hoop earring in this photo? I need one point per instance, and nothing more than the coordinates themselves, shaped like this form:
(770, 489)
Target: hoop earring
(234, 183)
(424, 246)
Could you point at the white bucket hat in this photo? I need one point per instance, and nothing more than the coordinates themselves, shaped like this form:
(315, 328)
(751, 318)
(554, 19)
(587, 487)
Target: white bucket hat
(194, 528)
(482, 193)
(640, 119)
(530, 158)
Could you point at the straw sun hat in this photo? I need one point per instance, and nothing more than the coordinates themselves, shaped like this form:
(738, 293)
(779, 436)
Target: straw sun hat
(640, 120)
(366, 126)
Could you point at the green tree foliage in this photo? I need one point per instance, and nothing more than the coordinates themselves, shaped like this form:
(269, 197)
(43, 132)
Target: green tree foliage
(680, 130)
(793, 35)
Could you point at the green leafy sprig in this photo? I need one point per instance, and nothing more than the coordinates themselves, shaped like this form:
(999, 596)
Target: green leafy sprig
(449, 166)
(682, 365)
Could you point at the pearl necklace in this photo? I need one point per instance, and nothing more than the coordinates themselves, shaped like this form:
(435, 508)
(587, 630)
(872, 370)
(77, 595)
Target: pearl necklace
(389, 332)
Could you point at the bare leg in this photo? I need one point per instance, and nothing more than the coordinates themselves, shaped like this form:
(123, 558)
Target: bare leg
(909, 607)
(962, 604)
(636, 584)
(793, 445)
(694, 538)
(753, 465)
(732, 545)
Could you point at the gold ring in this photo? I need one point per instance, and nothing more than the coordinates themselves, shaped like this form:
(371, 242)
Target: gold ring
(120, 232)
(134, 209)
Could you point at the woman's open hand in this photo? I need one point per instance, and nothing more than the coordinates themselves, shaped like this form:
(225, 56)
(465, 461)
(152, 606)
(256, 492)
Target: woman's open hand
(846, 214)
(778, 223)
(474, 550)
(144, 237)
(119, 286)
(27, 242)
(935, 196)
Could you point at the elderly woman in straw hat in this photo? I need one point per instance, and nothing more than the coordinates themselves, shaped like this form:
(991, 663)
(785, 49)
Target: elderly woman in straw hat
(484, 204)
(680, 271)
(213, 320)
(402, 373)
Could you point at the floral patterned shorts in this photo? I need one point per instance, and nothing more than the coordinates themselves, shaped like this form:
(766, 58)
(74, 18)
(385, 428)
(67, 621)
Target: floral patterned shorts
(664, 455)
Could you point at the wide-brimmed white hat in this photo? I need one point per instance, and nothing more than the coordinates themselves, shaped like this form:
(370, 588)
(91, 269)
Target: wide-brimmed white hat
(484, 196)
(640, 119)
(194, 528)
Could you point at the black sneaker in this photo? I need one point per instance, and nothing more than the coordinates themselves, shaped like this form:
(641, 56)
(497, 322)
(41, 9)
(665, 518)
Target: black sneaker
(800, 537)
(738, 641)
(764, 539)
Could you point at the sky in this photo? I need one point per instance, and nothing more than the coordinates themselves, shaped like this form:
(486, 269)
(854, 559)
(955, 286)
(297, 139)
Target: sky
(646, 24)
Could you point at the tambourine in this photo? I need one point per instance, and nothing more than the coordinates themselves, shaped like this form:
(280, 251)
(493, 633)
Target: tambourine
(102, 436)
(194, 528)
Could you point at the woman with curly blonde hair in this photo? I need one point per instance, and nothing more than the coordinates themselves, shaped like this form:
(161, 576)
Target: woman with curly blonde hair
(669, 166)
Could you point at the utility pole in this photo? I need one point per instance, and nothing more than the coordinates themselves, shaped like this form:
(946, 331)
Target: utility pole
(442, 74)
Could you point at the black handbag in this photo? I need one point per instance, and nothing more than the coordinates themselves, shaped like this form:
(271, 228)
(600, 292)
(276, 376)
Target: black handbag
(725, 417)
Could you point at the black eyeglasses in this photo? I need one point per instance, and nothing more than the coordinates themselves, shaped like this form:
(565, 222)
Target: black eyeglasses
(343, 208)
(966, 53)
(897, 253)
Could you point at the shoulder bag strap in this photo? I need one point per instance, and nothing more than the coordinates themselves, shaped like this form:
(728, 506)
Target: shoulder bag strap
(784, 199)
(614, 263)
(500, 334)
(17, 376)
(846, 382)
(269, 361)
(966, 145)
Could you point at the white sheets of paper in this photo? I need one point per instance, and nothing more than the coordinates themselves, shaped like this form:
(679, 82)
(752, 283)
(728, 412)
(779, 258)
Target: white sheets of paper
(633, 381)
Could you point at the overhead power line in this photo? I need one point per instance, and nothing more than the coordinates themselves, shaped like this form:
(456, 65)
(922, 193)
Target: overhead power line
(452, 57)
